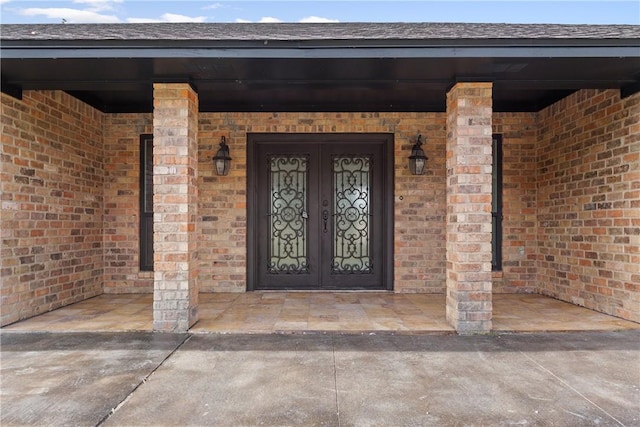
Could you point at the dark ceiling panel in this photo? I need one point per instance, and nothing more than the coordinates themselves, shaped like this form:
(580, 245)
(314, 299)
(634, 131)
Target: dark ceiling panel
(312, 84)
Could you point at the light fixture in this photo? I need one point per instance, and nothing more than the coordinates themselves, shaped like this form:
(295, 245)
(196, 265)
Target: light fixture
(222, 161)
(417, 159)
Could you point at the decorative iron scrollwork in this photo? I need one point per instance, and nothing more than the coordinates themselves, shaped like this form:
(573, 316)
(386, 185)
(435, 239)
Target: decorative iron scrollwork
(288, 214)
(351, 248)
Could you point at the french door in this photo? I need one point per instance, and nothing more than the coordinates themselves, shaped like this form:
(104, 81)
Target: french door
(320, 212)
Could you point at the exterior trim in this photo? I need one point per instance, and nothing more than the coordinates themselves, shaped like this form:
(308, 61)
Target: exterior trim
(455, 51)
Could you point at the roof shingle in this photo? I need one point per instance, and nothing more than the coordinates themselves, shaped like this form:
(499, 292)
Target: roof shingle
(310, 32)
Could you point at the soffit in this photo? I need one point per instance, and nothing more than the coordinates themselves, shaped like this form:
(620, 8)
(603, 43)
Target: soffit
(322, 67)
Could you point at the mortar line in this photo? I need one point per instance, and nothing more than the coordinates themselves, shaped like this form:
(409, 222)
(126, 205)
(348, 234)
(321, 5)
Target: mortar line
(570, 387)
(335, 377)
(144, 380)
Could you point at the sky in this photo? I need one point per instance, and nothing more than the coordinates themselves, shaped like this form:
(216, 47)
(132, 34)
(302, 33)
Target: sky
(141, 11)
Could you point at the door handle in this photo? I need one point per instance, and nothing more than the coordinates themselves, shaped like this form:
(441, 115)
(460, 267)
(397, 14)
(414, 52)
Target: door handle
(325, 219)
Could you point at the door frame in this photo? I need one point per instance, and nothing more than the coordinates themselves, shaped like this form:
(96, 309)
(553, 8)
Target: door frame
(388, 176)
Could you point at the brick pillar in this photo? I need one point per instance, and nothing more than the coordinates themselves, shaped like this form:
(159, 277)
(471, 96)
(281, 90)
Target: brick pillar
(469, 160)
(175, 202)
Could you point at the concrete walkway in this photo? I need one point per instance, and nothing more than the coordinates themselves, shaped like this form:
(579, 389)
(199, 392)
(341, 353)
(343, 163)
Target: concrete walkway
(125, 379)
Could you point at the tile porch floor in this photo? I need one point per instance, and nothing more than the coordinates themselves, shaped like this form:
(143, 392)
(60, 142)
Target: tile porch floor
(288, 312)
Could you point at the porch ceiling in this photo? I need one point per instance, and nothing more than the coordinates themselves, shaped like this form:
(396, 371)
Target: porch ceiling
(314, 73)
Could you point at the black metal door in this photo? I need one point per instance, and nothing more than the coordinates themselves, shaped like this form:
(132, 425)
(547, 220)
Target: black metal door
(320, 215)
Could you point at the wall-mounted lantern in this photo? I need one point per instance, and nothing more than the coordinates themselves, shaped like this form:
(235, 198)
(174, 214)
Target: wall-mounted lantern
(222, 161)
(417, 159)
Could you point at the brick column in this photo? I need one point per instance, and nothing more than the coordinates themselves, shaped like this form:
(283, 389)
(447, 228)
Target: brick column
(175, 202)
(469, 160)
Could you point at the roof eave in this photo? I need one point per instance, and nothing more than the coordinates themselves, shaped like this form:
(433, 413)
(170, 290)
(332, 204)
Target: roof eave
(566, 48)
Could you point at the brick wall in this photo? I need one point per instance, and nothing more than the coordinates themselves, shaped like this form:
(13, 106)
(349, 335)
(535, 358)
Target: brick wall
(122, 203)
(589, 202)
(578, 160)
(419, 216)
(52, 203)
(419, 201)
